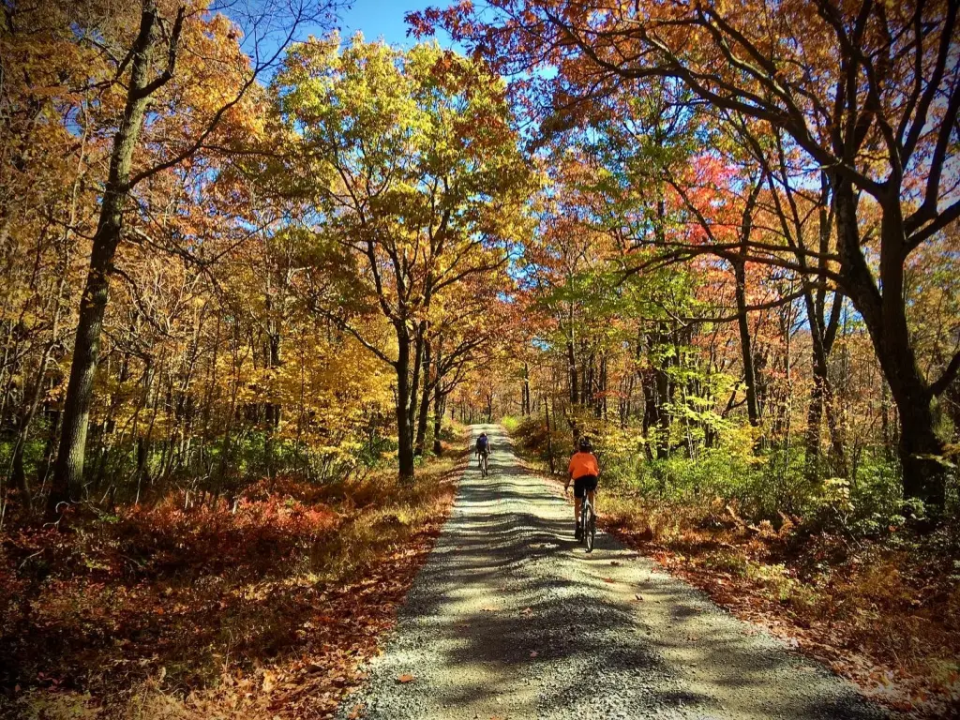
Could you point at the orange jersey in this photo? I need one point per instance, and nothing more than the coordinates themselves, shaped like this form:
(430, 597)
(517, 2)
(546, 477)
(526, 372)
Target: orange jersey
(583, 464)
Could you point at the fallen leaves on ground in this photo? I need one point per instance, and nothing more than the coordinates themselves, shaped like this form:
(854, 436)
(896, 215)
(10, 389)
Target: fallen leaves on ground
(266, 612)
(885, 615)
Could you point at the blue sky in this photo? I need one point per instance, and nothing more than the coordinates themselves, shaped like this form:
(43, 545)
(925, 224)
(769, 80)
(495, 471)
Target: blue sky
(376, 19)
(384, 18)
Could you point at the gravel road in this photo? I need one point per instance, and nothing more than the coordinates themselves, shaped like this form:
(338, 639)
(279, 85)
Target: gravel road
(511, 619)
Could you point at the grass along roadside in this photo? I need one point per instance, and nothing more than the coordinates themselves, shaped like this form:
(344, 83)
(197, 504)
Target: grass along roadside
(261, 611)
(884, 614)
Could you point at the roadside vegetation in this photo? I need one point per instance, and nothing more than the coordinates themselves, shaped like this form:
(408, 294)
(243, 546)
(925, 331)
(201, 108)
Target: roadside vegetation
(842, 575)
(250, 278)
(259, 608)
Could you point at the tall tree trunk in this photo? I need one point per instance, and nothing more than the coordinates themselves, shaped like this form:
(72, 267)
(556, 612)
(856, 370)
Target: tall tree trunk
(272, 410)
(546, 413)
(740, 275)
(814, 423)
(424, 409)
(439, 402)
(525, 402)
(572, 370)
(602, 400)
(405, 455)
(419, 341)
(746, 350)
(924, 476)
(68, 469)
(822, 334)
(586, 391)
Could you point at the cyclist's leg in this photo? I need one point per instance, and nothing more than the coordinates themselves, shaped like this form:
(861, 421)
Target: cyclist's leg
(578, 495)
(593, 500)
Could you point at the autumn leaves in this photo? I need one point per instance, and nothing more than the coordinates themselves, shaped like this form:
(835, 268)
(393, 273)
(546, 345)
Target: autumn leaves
(406, 162)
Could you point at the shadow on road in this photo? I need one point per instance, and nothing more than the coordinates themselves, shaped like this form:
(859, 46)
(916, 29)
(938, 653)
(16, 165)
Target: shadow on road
(520, 615)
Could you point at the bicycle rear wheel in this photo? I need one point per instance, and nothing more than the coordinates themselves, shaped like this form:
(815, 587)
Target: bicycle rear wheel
(590, 528)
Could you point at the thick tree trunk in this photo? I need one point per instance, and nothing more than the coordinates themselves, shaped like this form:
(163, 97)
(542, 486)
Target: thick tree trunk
(68, 469)
(924, 476)
(424, 409)
(812, 452)
(439, 401)
(405, 455)
(658, 393)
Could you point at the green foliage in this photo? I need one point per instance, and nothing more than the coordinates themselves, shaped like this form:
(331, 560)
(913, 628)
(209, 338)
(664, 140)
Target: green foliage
(762, 484)
(510, 423)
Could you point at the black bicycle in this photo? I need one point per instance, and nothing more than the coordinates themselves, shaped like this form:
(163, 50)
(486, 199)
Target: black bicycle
(587, 523)
(483, 465)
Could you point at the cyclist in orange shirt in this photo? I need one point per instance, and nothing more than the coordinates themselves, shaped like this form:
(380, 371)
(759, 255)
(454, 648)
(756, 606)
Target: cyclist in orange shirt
(584, 471)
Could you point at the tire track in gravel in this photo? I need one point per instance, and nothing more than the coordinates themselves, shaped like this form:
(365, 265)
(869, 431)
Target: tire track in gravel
(511, 619)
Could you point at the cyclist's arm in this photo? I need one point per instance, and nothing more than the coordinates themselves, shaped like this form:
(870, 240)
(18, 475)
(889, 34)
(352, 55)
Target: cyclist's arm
(569, 476)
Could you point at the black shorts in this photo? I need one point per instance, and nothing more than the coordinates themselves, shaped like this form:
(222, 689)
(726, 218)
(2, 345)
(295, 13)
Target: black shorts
(584, 485)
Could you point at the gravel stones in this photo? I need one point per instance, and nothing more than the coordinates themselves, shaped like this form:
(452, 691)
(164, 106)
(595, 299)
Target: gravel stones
(510, 619)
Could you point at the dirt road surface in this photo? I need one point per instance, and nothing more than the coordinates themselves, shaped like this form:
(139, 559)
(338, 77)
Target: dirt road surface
(512, 619)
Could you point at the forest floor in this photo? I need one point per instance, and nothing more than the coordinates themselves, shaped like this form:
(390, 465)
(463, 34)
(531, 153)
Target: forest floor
(264, 610)
(510, 618)
(883, 613)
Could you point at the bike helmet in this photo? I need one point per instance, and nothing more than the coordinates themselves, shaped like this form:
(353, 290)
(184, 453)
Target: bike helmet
(585, 445)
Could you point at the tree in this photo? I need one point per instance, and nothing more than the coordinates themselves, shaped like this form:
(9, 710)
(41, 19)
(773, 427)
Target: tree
(407, 160)
(146, 56)
(869, 91)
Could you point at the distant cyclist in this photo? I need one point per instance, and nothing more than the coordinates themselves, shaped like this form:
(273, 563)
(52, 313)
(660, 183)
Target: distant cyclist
(584, 470)
(482, 448)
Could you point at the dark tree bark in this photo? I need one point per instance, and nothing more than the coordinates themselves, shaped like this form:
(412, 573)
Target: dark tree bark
(746, 349)
(572, 369)
(405, 454)
(68, 469)
(525, 396)
(424, 409)
(884, 315)
(740, 276)
(439, 406)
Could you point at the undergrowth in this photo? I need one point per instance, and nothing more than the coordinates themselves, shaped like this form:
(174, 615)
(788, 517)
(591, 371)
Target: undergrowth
(258, 608)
